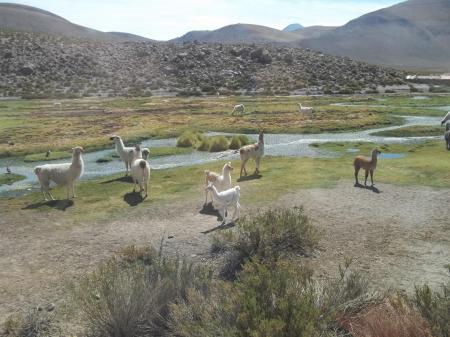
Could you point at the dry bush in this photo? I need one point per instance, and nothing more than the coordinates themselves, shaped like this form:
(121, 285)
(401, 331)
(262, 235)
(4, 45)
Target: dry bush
(394, 317)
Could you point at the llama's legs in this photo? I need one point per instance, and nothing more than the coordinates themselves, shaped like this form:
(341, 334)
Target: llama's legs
(366, 176)
(257, 160)
(73, 190)
(371, 176)
(356, 175)
(126, 168)
(243, 162)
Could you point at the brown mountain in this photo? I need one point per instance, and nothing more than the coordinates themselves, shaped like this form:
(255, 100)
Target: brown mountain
(15, 17)
(414, 34)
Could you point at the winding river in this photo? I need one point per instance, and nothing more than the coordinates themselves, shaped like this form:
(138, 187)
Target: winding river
(276, 145)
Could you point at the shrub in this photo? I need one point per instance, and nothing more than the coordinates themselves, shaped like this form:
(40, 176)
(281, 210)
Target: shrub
(35, 323)
(267, 235)
(393, 317)
(276, 299)
(435, 308)
(189, 139)
(130, 295)
(237, 141)
(218, 143)
(204, 145)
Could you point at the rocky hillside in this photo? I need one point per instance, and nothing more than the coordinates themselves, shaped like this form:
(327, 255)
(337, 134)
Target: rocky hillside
(15, 17)
(412, 34)
(38, 65)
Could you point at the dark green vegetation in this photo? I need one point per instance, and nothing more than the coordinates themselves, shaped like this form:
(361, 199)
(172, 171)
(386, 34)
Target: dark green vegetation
(273, 293)
(9, 179)
(154, 153)
(90, 122)
(412, 131)
(201, 142)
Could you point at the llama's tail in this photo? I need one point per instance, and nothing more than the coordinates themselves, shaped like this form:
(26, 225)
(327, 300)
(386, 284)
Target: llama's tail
(37, 170)
(142, 164)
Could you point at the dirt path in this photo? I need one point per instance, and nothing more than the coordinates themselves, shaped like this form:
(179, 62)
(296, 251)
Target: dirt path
(400, 237)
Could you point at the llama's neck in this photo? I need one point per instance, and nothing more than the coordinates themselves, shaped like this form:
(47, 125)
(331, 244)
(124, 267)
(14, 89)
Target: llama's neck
(214, 191)
(374, 159)
(77, 160)
(119, 144)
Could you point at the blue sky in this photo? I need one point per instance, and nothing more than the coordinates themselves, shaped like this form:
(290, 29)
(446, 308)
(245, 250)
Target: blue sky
(171, 18)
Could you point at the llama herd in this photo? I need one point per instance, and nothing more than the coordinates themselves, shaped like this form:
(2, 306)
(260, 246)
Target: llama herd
(218, 186)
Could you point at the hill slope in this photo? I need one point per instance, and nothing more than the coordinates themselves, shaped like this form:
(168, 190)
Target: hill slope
(412, 34)
(14, 17)
(239, 33)
(40, 65)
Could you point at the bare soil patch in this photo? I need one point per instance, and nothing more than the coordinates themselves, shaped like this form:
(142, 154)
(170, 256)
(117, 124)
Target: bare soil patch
(399, 237)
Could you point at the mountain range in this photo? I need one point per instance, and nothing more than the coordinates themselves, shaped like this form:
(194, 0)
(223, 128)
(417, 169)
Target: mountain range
(414, 34)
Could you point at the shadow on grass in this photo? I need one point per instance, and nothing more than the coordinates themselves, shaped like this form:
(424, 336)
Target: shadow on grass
(222, 226)
(253, 176)
(370, 188)
(208, 209)
(133, 198)
(60, 205)
(126, 179)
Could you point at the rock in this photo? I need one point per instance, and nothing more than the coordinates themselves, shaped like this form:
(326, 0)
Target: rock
(25, 71)
(50, 307)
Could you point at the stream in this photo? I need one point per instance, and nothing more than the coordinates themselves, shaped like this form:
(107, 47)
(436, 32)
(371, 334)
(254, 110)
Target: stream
(275, 145)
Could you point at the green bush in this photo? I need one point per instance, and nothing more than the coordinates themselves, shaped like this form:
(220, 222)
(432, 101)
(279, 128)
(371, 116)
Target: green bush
(204, 145)
(237, 141)
(276, 299)
(190, 139)
(130, 295)
(218, 143)
(435, 308)
(267, 235)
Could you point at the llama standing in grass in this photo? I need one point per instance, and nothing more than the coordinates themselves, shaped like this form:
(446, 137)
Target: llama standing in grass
(368, 164)
(222, 181)
(140, 171)
(62, 174)
(252, 151)
(126, 154)
(447, 135)
(305, 109)
(240, 108)
(226, 199)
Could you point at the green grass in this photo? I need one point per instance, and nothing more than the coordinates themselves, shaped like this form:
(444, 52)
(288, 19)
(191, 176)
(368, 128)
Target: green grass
(425, 164)
(411, 131)
(30, 124)
(169, 151)
(9, 179)
(42, 156)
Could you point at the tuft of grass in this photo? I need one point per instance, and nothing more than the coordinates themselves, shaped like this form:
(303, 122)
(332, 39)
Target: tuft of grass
(169, 151)
(237, 141)
(9, 179)
(190, 139)
(35, 323)
(56, 155)
(267, 235)
(218, 144)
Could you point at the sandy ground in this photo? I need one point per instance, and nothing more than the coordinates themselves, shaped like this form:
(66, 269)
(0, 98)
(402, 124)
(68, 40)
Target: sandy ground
(399, 236)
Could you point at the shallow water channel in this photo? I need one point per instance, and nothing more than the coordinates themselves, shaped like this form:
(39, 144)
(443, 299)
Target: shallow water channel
(275, 145)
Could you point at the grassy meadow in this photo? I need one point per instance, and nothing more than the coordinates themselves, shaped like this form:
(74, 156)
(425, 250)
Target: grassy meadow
(35, 126)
